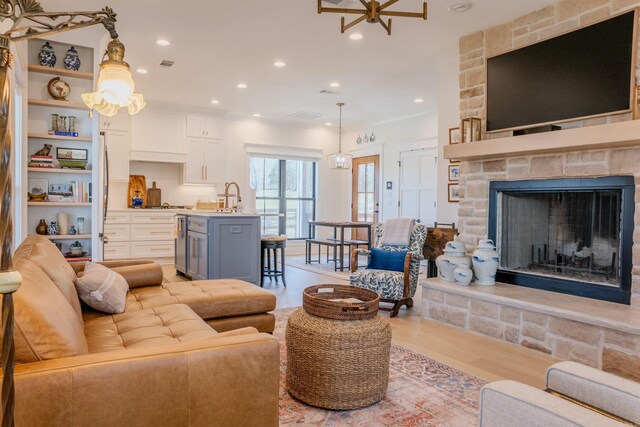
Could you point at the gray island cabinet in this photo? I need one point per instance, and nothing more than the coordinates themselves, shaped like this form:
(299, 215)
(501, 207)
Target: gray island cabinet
(218, 246)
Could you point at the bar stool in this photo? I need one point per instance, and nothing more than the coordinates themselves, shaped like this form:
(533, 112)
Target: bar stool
(270, 245)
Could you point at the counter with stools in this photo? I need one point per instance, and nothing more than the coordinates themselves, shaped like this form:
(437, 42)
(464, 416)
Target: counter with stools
(269, 250)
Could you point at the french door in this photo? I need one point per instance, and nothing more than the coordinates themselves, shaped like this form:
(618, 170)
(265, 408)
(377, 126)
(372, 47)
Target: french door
(365, 192)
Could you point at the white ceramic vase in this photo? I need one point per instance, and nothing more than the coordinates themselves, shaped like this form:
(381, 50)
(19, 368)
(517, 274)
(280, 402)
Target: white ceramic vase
(485, 263)
(454, 254)
(462, 274)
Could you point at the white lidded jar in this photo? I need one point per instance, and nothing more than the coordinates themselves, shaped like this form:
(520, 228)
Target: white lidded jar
(462, 274)
(485, 263)
(454, 254)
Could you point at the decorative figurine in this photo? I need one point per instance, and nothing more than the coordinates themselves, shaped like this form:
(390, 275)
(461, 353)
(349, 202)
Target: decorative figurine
(44, 151)
(47, 56)
(80, 225)
(41, 228)
(54, 123)
(73, 231)
(53, 229)
(485, 263)
(58, 89)
(72, 124)
(136, 200)
(76, 248)
(72, 60)
(454, 254)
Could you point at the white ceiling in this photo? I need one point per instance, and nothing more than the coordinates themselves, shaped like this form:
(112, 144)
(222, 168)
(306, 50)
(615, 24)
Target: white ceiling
(218, 43)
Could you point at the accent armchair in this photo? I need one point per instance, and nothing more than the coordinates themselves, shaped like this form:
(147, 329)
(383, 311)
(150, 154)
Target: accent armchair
(396, 287)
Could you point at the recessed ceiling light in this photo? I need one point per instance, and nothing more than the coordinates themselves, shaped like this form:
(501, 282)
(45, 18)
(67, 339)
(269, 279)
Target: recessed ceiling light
(241, 86)
(257, 115)
(162, 42)
(142, 70)
(215, 101)
(459, 7)
(279, 64)
(356, 36)
(334, 84)
(328, 124)
(418, 100)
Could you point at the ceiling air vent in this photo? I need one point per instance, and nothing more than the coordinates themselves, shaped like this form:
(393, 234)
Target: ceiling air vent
(329, 92)
(306, 115)
(166, 63)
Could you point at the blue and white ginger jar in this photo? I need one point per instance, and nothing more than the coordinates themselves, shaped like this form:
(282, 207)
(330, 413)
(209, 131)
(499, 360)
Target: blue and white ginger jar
(47, 56)
(454, 254)
(462, 274)
(485, 263)
(72, 60)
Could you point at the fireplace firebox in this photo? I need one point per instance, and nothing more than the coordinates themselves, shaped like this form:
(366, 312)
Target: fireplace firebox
(569, 235)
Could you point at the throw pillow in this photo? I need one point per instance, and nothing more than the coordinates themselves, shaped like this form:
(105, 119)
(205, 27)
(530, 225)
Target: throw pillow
(102, 289)
(386, 260)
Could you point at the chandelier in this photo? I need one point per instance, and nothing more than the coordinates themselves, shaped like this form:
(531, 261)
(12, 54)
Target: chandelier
(340, 160)
(373, 13)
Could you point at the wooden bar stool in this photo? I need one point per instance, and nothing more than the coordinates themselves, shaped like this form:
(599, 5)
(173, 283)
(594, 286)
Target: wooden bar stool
(270, 246)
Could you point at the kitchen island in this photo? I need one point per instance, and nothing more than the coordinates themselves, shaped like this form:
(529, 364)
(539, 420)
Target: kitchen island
(215, 245)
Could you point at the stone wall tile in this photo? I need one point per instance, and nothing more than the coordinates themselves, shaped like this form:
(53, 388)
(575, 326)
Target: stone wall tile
(510, 315)
(532, 331)
(566, 9)
(588, 169)
(623, 4)
(622, 339)
(536, 16)
(494, 166)
(457, 300)
(512, 334)
(485, 309)
(434, 295)
(471, 42)
(518, 172)
(486, 326)
(621, 363)
(575, 330)
(625, 161)
(576, 352)
(537, 318)
(447, 315)
(546, 167)
(526, 40)
(558, 29)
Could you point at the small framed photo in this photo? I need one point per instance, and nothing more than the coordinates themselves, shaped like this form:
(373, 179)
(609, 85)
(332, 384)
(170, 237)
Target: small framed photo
(72, 153)
(38, 186)
(454, 173)
(454, 193)
(61, 190)
(454, 136)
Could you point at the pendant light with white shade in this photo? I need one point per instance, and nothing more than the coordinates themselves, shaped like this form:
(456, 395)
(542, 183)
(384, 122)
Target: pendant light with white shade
(340, 160)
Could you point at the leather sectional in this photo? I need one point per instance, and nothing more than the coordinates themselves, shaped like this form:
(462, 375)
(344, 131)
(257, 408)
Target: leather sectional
(182, 354)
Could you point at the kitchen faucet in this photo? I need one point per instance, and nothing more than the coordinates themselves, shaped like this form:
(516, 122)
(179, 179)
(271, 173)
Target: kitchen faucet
(226, 193)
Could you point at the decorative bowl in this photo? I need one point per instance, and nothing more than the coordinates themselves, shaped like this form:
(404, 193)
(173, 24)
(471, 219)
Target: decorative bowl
(73, 164)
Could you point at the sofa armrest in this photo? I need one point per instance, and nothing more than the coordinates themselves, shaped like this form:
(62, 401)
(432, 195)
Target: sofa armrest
(509, 403)
(229, 380)
(602, 390)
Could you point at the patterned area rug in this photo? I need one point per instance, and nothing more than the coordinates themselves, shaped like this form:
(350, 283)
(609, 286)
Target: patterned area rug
(422, 392)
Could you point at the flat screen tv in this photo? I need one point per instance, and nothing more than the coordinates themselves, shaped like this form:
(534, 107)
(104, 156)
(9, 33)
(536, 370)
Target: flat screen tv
(584, 73)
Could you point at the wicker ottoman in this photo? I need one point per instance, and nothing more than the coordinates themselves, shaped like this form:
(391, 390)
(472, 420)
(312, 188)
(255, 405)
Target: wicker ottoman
(337, 364)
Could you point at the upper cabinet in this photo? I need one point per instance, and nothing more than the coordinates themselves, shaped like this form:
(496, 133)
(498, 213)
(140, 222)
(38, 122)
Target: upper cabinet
(203, 127)
(158, 136)
(121, 122)
(117, 144)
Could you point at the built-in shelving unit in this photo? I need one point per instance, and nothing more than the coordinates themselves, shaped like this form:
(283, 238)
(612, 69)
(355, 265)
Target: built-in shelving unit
(58, 104)
(58, 170)
(40, 107)
(60, 138)
(34, 68)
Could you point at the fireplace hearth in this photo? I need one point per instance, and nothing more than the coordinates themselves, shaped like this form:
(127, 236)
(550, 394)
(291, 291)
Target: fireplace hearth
(566, 235)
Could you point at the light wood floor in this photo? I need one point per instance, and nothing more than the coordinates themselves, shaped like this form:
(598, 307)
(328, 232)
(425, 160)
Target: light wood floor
(481, 356)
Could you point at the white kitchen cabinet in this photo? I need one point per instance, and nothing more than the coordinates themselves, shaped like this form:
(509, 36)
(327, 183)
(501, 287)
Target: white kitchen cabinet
(121, 122)
(158, 136)
(203, 127)
(140, 234)
(205, 163)
(118, 146)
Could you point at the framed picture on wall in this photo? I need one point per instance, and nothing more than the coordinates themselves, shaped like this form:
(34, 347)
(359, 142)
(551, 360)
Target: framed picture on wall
(454, 136)
(454, 193)
(454, 173)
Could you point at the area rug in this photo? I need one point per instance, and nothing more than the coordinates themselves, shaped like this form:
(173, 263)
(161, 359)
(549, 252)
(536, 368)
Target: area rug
(422, 392)
(324, 268)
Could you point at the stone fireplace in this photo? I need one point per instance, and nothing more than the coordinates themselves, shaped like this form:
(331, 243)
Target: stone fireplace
(566, 235)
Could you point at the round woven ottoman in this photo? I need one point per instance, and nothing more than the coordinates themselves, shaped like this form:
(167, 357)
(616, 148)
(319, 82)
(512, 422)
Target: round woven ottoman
(337, 364)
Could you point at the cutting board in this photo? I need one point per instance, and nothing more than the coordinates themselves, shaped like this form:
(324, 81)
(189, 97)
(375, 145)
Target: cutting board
(137, 183)
(154, 196)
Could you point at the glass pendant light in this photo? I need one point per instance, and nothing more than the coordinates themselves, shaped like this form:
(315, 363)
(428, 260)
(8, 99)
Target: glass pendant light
(115, 85)
(340, 160)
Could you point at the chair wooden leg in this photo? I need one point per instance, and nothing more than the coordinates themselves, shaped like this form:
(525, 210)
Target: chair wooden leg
(396, 308)
(409, 302)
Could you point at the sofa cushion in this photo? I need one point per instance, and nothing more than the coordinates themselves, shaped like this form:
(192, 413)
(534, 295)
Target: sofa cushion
(102, 289)
(210, 299)
(156, 326)
(46, 325)
(46, 255)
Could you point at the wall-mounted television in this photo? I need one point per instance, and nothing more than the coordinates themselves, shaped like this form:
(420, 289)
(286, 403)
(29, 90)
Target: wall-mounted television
(585, 73)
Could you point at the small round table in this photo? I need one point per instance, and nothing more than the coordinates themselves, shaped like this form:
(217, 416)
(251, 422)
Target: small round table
(337, 364)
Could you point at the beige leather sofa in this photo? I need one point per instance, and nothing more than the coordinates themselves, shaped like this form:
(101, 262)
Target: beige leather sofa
(175, 357)
(577, 396)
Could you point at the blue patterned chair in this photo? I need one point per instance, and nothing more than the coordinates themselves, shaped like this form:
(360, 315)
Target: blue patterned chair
(394, 287)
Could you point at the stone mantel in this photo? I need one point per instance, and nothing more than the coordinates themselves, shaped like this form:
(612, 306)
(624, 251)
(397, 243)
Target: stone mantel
(610, 135)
